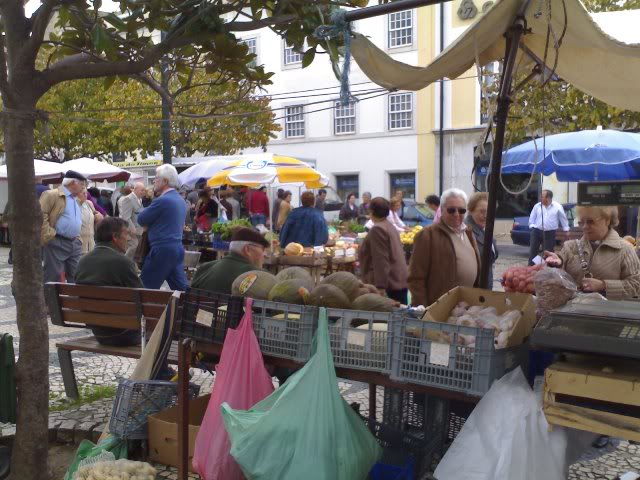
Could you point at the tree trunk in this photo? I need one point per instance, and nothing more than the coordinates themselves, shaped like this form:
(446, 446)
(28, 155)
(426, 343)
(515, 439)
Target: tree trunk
(29, 457)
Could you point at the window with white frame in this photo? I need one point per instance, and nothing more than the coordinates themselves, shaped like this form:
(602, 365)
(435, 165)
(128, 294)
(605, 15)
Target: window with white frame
(344, 118)
(252, 45)
(400, 111)
(291, 56)
(294, 121)
(400, 29)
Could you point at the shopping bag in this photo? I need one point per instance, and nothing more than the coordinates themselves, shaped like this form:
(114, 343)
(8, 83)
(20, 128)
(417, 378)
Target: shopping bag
(506, 438)
(241, 381)
(305, 429)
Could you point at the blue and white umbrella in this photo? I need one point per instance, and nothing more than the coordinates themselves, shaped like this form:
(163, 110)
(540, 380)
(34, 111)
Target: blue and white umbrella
(587, 155)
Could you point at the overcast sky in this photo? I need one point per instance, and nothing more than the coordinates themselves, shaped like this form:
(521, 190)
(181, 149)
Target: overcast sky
(107, 6)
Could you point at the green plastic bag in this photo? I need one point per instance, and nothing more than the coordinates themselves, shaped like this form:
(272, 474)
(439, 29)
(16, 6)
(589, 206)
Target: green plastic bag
(305, 429)
(86, 449)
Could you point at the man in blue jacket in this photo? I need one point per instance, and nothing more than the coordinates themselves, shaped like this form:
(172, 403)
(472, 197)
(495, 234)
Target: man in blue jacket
(164, 221)
(305, 225)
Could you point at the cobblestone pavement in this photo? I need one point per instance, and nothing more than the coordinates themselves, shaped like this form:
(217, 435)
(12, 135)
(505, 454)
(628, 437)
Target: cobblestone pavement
(88, 421)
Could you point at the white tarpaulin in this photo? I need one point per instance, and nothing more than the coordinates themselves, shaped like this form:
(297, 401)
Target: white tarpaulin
(589, 59)
(43, 169)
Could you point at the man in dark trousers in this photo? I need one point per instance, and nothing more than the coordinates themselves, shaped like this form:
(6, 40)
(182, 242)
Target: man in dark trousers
(246, 253)
(164, 220)
(546, 217)
(107, 266)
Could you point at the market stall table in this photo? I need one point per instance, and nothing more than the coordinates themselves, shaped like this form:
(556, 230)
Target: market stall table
(188, 346)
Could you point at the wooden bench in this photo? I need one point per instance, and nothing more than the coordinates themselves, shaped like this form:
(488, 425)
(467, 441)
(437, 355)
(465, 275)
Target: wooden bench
(84, 306)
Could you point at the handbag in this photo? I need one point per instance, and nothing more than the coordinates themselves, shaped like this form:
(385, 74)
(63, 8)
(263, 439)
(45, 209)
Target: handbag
(142, 250)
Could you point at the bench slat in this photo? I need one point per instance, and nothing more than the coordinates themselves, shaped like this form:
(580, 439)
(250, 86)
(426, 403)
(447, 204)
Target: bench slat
(114, 293)
(93, 305)
(104, 320)
(90, 344)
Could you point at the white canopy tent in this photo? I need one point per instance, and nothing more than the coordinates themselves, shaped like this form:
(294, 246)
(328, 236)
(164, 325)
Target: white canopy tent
(96, 170)
(43, 169)
(588, 58)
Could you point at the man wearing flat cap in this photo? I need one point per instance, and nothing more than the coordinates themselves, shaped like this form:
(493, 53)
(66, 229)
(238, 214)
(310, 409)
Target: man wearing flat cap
(60, 235)
(246, 253)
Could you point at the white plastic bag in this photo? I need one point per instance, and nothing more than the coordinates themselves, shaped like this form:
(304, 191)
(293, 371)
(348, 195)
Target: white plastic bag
(506, 438)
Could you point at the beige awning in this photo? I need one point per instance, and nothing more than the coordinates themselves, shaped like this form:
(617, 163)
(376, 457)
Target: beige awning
(589, 59)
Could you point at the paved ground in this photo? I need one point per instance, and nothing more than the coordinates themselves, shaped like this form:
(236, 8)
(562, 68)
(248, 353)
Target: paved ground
(94, 369)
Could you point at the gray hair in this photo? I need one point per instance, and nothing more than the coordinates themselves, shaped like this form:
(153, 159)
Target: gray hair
(68, 181)
(452, 193)
(169, 173)
(238, 245)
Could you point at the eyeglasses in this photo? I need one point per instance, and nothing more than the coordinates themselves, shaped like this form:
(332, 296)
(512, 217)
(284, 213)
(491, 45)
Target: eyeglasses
(588, 221)
(452, 210)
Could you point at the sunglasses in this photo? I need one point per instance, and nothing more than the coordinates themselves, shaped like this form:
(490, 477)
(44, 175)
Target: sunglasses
(452, 210)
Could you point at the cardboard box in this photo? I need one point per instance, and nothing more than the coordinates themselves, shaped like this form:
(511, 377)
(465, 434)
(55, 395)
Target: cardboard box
(163, 432)
(441, 309)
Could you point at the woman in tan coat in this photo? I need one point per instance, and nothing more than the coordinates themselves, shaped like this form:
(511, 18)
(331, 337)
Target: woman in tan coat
(600, 261)
(381, 255)
(445, 254)
(284, 210)
(90, 218)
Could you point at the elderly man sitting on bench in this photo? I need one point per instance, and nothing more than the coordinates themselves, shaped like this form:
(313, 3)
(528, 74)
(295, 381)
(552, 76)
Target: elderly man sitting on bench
(107, 266)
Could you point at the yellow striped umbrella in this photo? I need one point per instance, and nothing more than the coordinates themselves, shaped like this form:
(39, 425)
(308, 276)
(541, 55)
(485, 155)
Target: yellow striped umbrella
(268, 169)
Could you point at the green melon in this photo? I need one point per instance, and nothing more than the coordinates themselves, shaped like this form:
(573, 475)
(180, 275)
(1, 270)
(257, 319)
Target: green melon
(292, 273)
(345, 281)
(329, 296)
(371, 288)
(373, 302)
(291, 291)
(362, 291)
(255, 284)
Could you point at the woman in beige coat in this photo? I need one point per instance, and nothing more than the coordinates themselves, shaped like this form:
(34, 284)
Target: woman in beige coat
(600, 261)
(90, 218)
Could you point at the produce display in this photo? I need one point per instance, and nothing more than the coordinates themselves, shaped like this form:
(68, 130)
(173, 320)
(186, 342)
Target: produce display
(294, 249)
(407, 237)
(294, 291)
(291, 273)
(520, 279)
(225, 230)
(374, 302)
(330, 296)
(116, 470)
(554, 288)
(465, 315)
(345, 281)
(254, 284)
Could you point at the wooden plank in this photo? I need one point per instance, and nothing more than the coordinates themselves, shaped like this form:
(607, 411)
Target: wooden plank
(128, 322)
(110, 306)
(604, 423)
(91, 344)
(619, 383)
(114, 293)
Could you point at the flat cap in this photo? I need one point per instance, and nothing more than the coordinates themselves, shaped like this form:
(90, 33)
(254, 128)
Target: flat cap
(242, 234)
(76, 175)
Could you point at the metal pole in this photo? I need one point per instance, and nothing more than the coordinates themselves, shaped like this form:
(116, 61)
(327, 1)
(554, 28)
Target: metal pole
(396, 6)
(504, 102)
(166, 111)
(441, 133)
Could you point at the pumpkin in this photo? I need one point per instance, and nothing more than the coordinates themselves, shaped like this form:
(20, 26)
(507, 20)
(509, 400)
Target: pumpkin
(294, 249)
(329, 296)
(345, 281)
(291, 273)
(291, 291)
(373, 302)
(255, 284)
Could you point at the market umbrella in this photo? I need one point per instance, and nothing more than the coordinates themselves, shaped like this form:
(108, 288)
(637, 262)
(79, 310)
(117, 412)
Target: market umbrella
(43, 169)
(268, 169)
(587, 155)
(204, 170)
(96, 170)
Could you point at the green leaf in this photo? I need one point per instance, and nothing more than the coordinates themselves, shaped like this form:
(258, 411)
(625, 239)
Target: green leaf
(308, 57)
(109, 81)
(115, 21)
(100, 38)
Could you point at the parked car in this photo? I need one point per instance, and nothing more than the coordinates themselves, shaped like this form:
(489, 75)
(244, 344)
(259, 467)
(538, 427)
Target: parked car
(520, 231)
(417, 214)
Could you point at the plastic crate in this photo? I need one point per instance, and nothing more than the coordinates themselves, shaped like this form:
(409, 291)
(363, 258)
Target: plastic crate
(206, 316)
(361, 348)
(136, 400)
(406, 455)
(418, 359)
(285, 330)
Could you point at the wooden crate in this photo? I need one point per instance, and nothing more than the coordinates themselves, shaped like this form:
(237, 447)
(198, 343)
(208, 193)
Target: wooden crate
(594, 394)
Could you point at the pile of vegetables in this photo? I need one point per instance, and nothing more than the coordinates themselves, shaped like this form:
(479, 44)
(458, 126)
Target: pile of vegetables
(520, 279)
(116, 470)
(482, 317)
(225, 230)
(295, 285)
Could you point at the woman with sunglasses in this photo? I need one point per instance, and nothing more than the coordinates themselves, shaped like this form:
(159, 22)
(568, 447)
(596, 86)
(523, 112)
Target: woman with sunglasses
(445, 254)
(600, 261)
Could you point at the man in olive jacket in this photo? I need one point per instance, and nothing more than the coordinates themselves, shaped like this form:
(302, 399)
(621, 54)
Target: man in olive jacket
(107, 266)
(246, 253)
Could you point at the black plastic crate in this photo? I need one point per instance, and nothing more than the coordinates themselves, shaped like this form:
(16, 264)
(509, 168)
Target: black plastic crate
(206, 316)
(402, 450)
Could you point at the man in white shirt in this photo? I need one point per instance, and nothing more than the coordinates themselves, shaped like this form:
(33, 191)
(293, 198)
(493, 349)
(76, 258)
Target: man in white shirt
(544, 220)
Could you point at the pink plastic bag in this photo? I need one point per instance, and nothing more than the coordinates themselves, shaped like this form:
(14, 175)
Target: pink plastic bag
(241, 381)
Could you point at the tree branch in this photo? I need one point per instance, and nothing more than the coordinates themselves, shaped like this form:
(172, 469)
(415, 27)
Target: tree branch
(39, 21)
(258, 24)
(156, 87)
